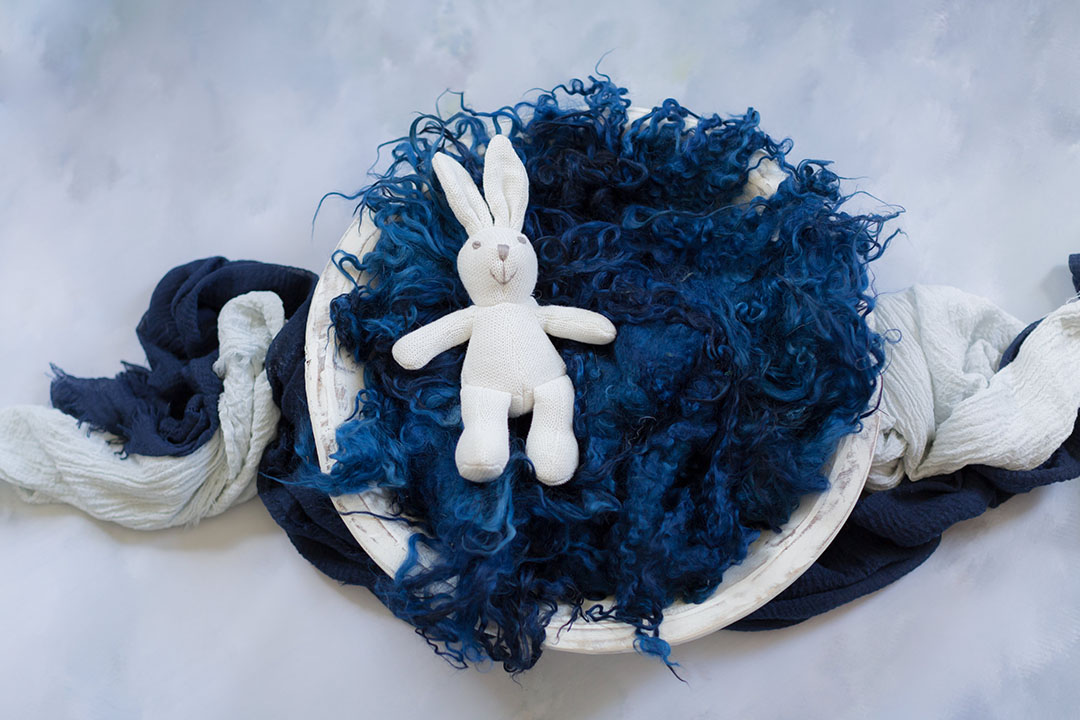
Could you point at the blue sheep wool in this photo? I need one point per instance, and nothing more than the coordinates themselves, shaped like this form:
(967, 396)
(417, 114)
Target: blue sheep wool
(742, 357)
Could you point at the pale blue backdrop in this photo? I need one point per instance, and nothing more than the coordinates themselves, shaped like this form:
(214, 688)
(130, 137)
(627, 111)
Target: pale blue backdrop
(135, 136)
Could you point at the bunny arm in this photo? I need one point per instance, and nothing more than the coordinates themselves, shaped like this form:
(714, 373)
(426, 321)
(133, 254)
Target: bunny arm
(576, 324)
(415, 350)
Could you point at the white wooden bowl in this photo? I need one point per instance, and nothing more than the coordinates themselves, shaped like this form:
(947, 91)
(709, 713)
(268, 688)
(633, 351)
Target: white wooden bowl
(773, 562)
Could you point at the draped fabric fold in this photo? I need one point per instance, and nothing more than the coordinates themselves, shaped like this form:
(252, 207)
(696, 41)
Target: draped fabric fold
(945, 402)
(49, 458)
(307, 516)
(170, 408)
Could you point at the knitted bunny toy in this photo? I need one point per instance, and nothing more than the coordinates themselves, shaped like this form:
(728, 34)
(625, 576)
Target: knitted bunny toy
(510, 366)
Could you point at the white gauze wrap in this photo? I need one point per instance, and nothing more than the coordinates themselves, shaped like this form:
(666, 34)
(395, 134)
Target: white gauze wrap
(944, 403)
(50, 459)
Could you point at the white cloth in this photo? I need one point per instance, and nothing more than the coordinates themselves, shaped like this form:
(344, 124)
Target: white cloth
(944, 405)
(49, 458)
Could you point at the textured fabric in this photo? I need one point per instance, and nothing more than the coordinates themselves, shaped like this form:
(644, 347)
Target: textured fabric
(170, 408)
(48, 458)
(944, 406)
(509, 357)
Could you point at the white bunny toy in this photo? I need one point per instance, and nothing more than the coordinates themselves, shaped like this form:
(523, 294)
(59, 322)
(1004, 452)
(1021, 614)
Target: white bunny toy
(510, 366)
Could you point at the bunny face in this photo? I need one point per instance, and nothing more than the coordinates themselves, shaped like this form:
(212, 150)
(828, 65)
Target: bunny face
(497, 265)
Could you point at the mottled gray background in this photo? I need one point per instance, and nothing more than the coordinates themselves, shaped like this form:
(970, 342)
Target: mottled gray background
(135, 136)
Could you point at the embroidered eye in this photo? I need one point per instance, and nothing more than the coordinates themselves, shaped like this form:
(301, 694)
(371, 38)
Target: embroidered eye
(521, 239)
(476, 244)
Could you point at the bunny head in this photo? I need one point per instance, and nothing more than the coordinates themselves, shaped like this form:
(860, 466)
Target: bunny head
(497, 263)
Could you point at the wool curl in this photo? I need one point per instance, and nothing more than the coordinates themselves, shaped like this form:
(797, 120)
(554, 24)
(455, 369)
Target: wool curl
(742, 357)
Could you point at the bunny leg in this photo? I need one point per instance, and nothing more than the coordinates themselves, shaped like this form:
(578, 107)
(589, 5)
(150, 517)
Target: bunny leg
(484, 447)
(551, 445)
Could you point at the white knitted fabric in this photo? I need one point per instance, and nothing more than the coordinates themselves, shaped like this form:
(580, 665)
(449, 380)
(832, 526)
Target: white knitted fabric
(49, 458)
(944, 405)
(510, 367)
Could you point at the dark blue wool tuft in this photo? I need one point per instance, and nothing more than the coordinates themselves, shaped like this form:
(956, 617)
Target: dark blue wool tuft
(742, 357)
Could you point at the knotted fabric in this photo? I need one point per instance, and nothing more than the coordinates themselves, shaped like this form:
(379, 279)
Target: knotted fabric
(170, 407)
(48, 457)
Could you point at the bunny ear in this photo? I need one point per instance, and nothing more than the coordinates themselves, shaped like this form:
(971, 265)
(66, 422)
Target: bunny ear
(461, 192)
(506, 186)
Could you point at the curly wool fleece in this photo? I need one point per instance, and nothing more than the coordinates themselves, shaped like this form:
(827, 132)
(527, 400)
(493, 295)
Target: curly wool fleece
(742, 357)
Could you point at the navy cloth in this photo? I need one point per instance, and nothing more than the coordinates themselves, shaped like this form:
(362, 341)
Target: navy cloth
(308, 516)
(170, 408)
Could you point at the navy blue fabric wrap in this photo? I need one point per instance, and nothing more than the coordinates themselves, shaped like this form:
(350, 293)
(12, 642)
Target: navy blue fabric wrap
(891, 533)
(306, 515)
(170, 407)
(888, 534)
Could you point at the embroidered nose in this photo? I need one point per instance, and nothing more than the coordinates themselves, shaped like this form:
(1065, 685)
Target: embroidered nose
(504, 250)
